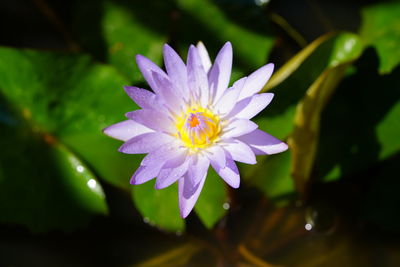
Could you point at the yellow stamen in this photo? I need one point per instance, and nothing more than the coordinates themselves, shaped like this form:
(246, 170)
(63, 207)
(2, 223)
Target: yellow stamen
(198, 128)
(193, 121)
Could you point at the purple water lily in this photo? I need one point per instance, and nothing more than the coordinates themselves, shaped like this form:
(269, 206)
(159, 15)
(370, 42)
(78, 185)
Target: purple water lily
(192, 120)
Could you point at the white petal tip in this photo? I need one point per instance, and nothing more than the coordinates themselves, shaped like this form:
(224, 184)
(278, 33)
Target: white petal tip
(227, 45)
(113, 131)
(184, 211)
(277, 148)
(252, 162)
(167, 49)
(184, 215)
(235, 185)
(200, 43)
(106, 131)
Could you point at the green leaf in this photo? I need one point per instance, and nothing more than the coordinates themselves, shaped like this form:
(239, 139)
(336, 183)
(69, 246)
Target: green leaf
(121, 30)
(250, 47)
(304, 139)
(387, 132)
(309, 75)
(126, 37)
(381, 29)
(295, 62)
(43, 185)
(72, 99)
(159, 207)
(359, 127)
(272, 176)
(278, 118)
(210, 205)
(347, 47)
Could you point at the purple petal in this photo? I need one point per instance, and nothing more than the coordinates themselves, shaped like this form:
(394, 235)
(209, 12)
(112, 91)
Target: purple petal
(147, 68)
(217, 155)
(228, 99)
(251, 106)
(126, 130)
(256, 81)
(240, 152)
(167, 92)
(263, 143)
(220, 72)
(176, 70)
(239, 127)
(168, 176)
(197, 77)
(205, 58)
(186, 203)
(163, 154)
(152, 119)
(197, 169)
(145, 143)
(146, 173)
(144, 98)
(229, 173)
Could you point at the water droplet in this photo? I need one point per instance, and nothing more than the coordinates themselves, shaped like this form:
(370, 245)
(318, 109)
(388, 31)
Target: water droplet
(92, 184)
(226, 206)
(80, 168)
(320, 218)
(146, 220)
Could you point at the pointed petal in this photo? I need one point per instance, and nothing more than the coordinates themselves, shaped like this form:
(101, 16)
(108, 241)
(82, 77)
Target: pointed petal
(163, 154)
(168, 176)
(217, 155)
(145, 143)
(186, 203)
(198, 168)
(240, 152)
(146, 173)
(167, 93)
(239, 127)
(152, 119)
(197, 77)
(147, 67)
(251, 106)
(256, 81)
(220, 72)
(229, 173)
(205, 58)
(176, 70)
(126, 130)
(228, 100)
(142, 97)
(263, 143)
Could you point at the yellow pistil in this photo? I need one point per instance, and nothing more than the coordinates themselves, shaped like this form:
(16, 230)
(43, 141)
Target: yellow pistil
(198, 128)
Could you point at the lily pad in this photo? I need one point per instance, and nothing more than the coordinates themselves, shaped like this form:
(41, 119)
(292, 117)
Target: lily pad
(381, 29)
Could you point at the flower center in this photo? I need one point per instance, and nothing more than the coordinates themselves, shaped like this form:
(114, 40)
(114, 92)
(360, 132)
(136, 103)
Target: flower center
(198, 128)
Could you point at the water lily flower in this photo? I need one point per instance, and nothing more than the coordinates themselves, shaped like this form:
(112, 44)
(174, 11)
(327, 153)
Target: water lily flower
(192, 119)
